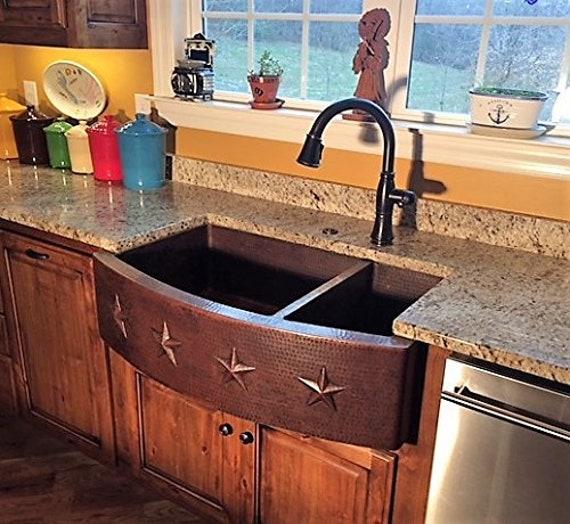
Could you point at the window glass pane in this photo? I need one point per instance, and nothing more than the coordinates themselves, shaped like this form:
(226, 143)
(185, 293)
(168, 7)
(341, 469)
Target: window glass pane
(331, 49)
(540, 8)
(443, 67)
(283, 39)
(225, 5)
(455, 7)
(337, 6)
(279, 6)
(230, 62)
(526, 57)
(561, 112)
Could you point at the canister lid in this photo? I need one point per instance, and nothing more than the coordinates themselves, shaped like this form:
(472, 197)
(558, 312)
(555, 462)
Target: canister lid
(58, 127)
(141, 126)
(106, 126)
(7, 105)
(78, 131)
(31, 114)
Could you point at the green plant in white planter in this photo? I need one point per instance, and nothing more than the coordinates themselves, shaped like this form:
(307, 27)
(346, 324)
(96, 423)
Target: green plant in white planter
(506, 108)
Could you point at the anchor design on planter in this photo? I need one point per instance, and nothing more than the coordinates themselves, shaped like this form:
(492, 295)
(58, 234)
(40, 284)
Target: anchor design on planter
(500, 116)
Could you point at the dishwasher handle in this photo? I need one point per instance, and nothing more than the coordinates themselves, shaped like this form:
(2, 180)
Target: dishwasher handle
(464, 397)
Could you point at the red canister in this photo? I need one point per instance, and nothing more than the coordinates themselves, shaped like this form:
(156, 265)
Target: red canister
(104, 145)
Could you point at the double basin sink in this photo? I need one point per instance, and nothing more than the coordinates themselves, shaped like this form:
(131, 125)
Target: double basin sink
(271, 331)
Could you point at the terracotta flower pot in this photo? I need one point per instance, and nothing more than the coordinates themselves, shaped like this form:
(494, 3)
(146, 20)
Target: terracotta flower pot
(264, 88)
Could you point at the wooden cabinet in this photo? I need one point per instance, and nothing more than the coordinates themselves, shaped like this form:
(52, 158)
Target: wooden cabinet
(74, 23)
(254, 473)
(181, 447)
(304, 479)
(62, 362)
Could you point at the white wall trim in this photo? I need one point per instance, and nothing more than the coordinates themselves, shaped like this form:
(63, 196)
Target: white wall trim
(451, 145)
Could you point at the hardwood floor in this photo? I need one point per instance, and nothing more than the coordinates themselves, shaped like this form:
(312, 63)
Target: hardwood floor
(45, 481)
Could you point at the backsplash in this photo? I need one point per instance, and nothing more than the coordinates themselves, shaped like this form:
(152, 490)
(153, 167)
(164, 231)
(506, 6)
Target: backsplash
(498, 228)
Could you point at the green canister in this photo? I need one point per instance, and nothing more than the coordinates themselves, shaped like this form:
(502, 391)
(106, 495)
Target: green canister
(57, 144)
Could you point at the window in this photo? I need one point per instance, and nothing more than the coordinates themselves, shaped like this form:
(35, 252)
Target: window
(314, 41)
(503, 43)
(442, 49)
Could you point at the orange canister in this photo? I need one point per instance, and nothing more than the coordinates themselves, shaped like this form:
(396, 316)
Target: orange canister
(8, 107)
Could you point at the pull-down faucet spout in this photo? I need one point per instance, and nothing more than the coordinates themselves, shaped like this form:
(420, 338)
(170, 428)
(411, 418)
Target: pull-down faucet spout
(386, 195)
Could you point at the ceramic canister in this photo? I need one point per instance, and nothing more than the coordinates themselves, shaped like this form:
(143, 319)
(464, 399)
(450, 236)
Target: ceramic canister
(57, 144)
(30, 137)
(104, 145)
(8, 108)
(143, 153)
(78, 143)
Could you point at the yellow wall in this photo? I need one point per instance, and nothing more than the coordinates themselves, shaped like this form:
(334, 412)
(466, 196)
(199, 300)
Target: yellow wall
(8, 80)
(532, 195)
(123, 72)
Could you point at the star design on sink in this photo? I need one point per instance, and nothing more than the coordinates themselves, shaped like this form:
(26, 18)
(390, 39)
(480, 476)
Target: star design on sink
(323, 390)
(168, 343)
(119, 316)
(235, 369)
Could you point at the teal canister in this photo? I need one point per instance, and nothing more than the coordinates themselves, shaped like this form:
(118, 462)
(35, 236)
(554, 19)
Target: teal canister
(57, 144)
(142, 144)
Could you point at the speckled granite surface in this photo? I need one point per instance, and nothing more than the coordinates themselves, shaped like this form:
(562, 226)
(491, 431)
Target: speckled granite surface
(497, 304)
(533, 234)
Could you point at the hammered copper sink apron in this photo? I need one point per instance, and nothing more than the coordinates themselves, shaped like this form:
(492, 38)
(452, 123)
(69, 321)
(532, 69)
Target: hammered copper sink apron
(273, 332)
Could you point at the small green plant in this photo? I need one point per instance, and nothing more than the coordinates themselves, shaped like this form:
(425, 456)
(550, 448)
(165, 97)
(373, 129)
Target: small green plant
(268, 65)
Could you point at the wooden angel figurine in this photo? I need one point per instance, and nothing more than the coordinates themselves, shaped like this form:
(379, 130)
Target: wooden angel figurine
(372, 58)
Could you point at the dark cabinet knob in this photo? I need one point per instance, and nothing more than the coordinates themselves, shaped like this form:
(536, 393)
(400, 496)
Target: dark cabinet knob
(225, 430)
(246, 437)
(36, 255)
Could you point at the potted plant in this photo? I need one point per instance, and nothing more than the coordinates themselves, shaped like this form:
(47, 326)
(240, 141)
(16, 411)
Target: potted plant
(265, 82)
(498, 107)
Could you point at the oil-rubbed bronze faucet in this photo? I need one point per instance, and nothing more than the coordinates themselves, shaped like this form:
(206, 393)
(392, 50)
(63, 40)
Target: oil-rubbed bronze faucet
(387, 195)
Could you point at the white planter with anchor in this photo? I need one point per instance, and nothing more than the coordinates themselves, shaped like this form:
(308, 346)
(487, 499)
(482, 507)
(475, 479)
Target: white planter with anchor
(506, 108)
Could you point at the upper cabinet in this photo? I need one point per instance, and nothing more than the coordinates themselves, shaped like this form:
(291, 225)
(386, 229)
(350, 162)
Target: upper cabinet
(74, 23)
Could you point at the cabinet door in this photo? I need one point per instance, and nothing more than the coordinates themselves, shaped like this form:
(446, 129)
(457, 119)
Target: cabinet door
(180, 441)
(63, 362)
(108, 23)
(176, 444)
(33, 21)
(303, 479)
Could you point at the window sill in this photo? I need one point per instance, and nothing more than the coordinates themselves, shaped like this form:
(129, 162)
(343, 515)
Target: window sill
(434, 143)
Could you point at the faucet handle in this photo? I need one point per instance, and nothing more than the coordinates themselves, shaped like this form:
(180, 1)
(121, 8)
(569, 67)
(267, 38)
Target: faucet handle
(402, 197)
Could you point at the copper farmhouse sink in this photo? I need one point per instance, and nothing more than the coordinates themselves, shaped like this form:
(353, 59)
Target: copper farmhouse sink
(274, 332)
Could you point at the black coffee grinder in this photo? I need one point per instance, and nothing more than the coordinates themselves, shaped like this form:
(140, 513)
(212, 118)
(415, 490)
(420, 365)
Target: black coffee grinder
(193, 77)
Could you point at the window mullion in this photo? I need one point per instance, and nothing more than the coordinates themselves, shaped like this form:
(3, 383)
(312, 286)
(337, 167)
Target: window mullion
(564, 77)
(250, 36)
(305, 49)
(484, 46)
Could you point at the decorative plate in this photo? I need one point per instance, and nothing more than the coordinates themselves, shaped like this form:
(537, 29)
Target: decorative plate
(74, 90)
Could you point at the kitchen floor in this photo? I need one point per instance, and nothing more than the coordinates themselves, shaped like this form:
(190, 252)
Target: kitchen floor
(45, 481)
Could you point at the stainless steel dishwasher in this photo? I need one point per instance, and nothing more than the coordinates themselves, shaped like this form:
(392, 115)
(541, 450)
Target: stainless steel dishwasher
(502, 452)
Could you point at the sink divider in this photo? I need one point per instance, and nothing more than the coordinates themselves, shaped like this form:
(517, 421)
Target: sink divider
(350, 276)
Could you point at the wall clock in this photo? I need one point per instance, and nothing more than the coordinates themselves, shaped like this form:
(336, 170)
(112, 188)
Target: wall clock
(74, 90)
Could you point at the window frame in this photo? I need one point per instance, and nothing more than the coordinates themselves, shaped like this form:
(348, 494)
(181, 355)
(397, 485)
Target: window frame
(185, 17)
(408, 21)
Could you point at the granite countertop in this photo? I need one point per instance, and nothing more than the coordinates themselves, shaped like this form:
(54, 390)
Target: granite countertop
(497, 304)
